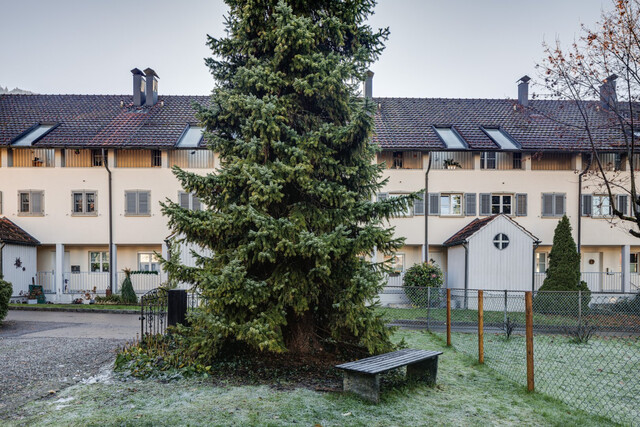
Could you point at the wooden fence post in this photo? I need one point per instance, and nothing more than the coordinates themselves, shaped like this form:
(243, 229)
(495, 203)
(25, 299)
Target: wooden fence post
(480, 327)
(448, 317)
(529, 338)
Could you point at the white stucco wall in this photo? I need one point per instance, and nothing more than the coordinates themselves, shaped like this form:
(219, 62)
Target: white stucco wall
(19, 277)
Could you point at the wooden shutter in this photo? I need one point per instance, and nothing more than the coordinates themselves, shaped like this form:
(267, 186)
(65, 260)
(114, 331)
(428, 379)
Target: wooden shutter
(131, 202)
(621, 205)
(547, 204)
(470, 204)
(418, 206)
(559, 204)
(197, 206)
(521, 204)
(586, 204)
(36, 202)
(143, 202)
(184, 200)
(485, 204)
(434, 204)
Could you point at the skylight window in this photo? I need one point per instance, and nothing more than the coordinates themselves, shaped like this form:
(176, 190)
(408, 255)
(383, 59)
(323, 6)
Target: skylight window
(451, 138)
(501, 138)
(191, 138)
(32, 136)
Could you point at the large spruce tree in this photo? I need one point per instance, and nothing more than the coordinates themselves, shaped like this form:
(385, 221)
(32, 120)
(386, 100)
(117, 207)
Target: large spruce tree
(289, 215)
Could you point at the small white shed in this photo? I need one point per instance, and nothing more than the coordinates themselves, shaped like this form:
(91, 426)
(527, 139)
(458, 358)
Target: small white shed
(492, 253)
(18, 256)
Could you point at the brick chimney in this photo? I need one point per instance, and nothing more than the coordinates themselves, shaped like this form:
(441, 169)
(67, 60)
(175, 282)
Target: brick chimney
(138, 87)
(368, 85)
(608, 97)
(152, 87)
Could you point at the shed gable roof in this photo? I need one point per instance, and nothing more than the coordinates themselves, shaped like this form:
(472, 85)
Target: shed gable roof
(476, 225)
(11, 233)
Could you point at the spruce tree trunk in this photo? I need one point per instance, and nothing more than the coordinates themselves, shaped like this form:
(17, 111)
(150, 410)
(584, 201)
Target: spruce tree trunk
(300, 335)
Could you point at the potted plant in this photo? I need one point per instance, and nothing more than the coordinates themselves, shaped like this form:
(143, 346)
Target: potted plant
(88, 296)
(35, 294)
(451, 164)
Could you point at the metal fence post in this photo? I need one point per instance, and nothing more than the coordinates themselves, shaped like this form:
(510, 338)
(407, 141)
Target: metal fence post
(448, 317)
(428, 306)
(529, 338)
(480, 327)
(505, 307)
(579, 308)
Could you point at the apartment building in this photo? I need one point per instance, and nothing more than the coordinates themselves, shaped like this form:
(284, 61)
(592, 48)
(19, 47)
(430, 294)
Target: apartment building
(84, 175)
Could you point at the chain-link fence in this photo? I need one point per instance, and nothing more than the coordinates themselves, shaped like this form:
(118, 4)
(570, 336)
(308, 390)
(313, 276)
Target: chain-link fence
(585, 346)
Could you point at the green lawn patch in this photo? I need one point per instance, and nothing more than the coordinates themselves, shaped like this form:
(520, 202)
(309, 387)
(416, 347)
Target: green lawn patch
(466, 394)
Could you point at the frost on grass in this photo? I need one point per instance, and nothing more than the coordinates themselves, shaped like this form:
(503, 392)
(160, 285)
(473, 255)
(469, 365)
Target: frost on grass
(466, 394)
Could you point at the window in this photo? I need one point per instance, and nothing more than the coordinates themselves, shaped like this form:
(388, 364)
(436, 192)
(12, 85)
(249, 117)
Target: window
(148, 262)
(137, 202)
(191, 137)
(396, 262)
(189, 201)
(517, 160)
(156, 158)
(98, 262)
(31, 202)
(451, 204)
(501, 204)
(541, 262)
(84, 203)
(600, 205)
(33, 135)
(553, 204)
(397, 160)
(450, 138)
(501, 241)
(96, 157)
(407, 211)
(488, 160)
(502, 138)
(633, 263)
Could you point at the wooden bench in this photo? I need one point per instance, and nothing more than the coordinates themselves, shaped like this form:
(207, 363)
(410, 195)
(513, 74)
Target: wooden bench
(363, 376)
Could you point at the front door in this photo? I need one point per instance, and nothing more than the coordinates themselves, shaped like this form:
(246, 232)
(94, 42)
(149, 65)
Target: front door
(592, 270)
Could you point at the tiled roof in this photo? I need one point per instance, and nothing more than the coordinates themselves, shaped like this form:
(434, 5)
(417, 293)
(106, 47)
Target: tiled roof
(403, 123)
(467, 231)
(543, 125)
(97, 120)
(11, 233)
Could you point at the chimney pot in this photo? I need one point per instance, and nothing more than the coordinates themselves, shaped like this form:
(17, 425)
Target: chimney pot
(152, 87)
(368, 85)
(138, 87)
(523, 90)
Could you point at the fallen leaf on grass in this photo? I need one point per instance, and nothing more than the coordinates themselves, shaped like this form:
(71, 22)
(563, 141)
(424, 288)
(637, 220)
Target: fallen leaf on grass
(346, 414)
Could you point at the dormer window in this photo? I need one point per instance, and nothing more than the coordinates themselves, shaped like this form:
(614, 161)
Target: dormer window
(191, 137)
(450, 138)
(501, 138)
(31, 136)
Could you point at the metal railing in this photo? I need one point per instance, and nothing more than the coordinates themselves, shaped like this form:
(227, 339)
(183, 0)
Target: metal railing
(77, 282)
(46, 279)
(153, 312)
(141, 282)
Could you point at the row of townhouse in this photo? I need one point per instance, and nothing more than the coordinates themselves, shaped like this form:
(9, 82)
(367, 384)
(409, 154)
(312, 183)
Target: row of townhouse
(83, 176)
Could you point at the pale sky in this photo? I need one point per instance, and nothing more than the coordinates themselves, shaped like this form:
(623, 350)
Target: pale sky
(444, 48)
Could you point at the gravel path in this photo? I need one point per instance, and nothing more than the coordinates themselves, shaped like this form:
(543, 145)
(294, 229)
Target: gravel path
(32, 365)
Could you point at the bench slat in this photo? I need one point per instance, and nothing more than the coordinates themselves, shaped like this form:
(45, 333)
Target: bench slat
(388, 361)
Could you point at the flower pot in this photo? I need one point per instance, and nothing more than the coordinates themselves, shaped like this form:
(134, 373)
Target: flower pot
(451, 166)
(86, 301)
(32, 301)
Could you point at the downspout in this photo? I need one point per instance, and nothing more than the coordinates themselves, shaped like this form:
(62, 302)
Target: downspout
(1, 264)
(536, 243)
(580, 202)
(106, 166)
(465, 245)
(426, 212)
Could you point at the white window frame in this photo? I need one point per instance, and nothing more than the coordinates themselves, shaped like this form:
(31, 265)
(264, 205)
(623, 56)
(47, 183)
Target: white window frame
(553, 205)
(103, 262)
(408, 213)
(501, 204)
(542, 258)
(449, 197)
(30, 212)
(484, 160)
(85, 203)
(194, 203)
(137, 212)
(633, 266)
(396, 259)
(153, 260)
(597, 203)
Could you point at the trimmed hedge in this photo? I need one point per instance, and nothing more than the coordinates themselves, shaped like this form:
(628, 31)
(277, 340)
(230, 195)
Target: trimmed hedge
(5, 294)
(128, 294)
(419, 277)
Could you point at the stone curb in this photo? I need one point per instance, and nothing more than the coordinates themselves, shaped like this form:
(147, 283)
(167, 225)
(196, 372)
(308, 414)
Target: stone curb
(76, 310)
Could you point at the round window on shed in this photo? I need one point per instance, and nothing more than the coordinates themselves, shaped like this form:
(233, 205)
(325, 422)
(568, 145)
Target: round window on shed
(501, 241)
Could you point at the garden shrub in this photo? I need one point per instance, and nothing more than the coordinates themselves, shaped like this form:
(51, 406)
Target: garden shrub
(5, 294)
(558, 294)
(110, 299)
(418, 278)
(128, 294)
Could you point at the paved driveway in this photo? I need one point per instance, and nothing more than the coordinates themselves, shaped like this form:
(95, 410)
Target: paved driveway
(42, 352)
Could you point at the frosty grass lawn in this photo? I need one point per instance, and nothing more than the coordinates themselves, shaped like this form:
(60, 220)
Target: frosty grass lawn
(466, 394)
(600, 376)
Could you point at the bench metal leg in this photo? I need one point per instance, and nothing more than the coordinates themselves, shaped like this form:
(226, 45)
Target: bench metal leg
(425, 370)
(366, 386)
